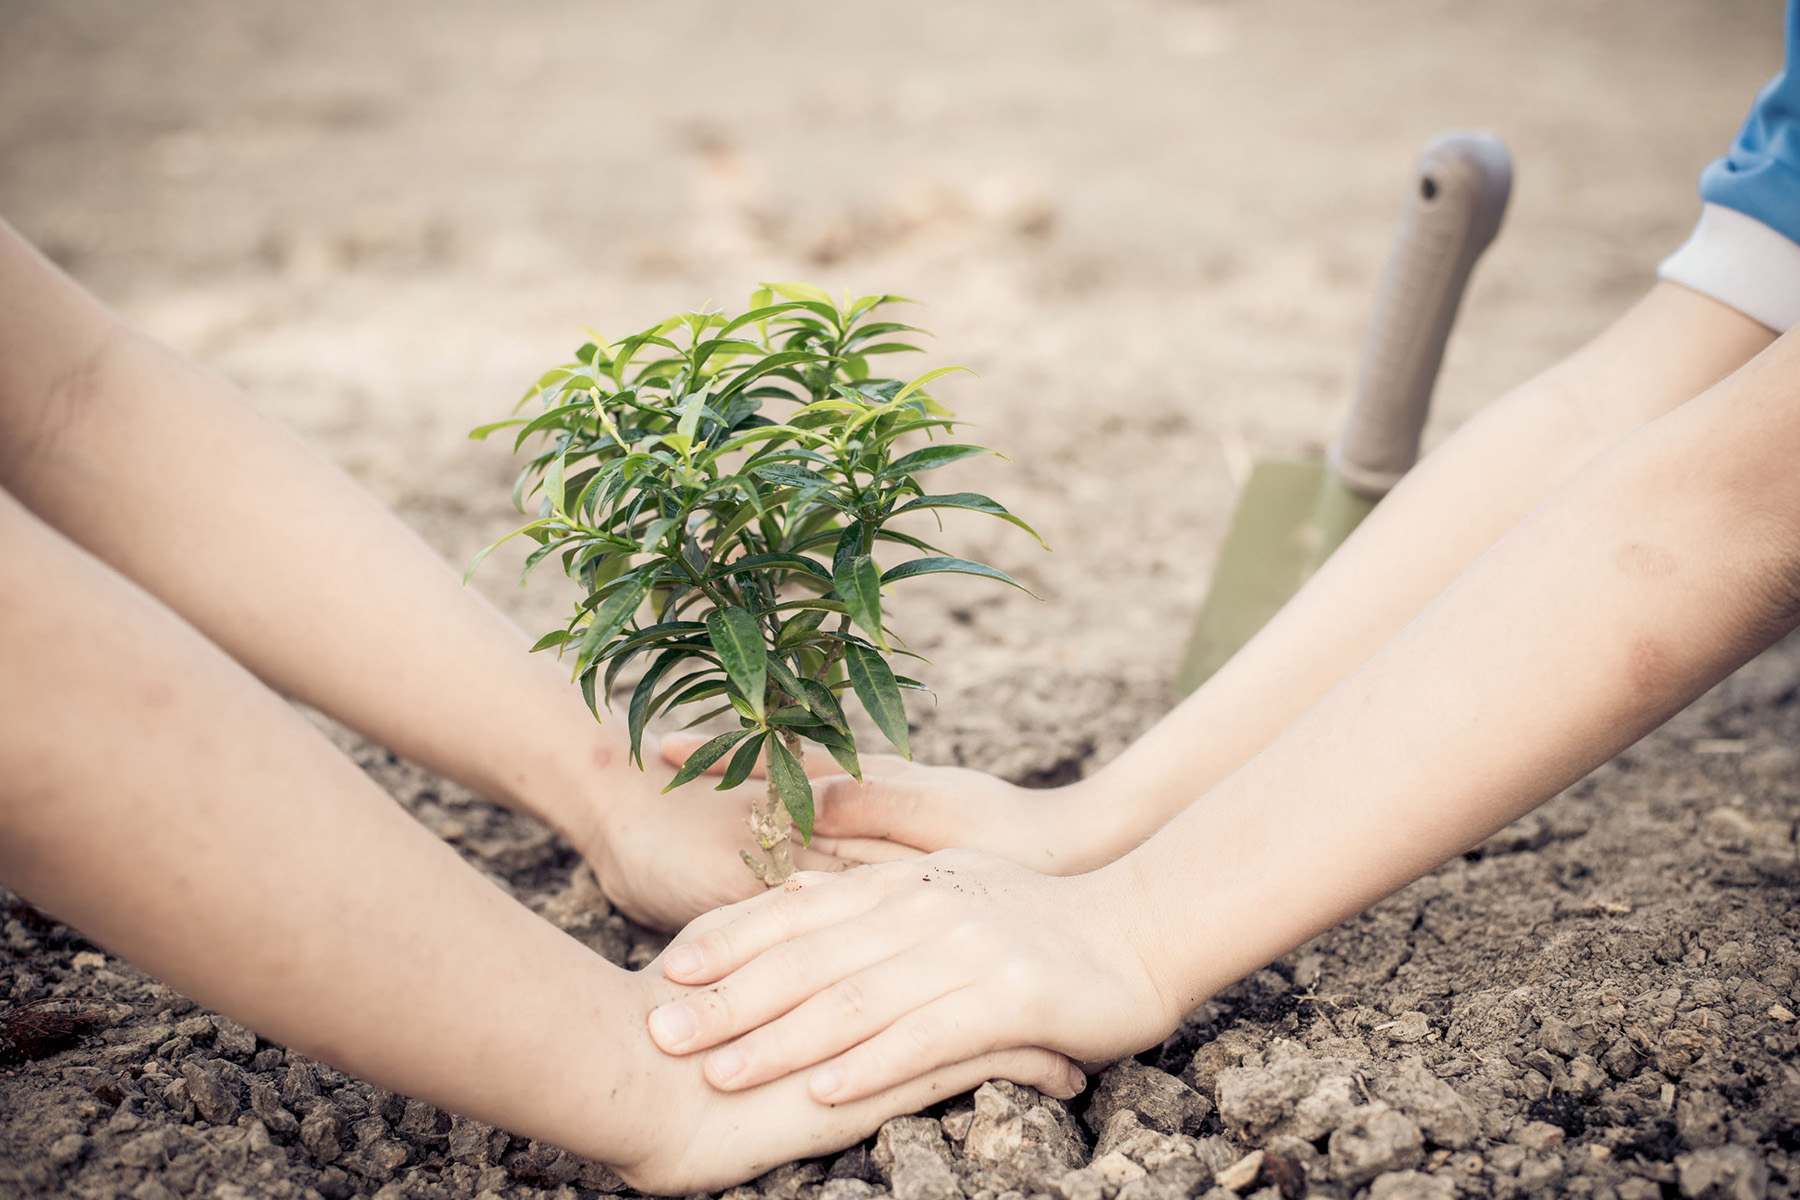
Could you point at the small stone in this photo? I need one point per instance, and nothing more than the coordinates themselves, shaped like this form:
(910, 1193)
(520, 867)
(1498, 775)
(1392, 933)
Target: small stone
(1538, 1135)
(1779, 1013)
(88, 960)
(471, 1142)
(194, 1028)
(149, 1149)
(1084, 1183)
(232, 1040)
(920, 1173)
(1621, 1060)
(299, 1086)
(921, 1132)
(1242, 1174)
(1558, 1037)
(1161, 1101)
(1116, 1169)
(1223, 1052)
(1701, 1118)
(266, 1060)
(1412, 1185)
(213, 1094)
(1723, 1173)
(151, 1189)
(1291, 1165)
(846, 1189)
(424, 1122)
(1586, 1079)
(1677, 1050)
(1016, 1129)
(322, 1133)
(1376, 1140)
(1407, 1028)
(1539, 1173)
(265, 1102)
(67, 1150)
(956, 1124)
(1443, 1115)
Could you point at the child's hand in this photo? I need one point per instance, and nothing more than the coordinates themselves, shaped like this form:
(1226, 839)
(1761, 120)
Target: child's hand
(662, 860)
(1057, 831)
(890, 972)
(693, 1138)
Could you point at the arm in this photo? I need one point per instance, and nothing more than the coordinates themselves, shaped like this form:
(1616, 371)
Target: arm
(1660, 567)
(164, 472)
(157, 797)
(1448, 511)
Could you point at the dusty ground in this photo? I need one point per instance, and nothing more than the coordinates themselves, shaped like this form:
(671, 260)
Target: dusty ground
(1154, 228)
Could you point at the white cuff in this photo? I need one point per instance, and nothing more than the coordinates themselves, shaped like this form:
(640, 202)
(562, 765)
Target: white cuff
(1739, 261)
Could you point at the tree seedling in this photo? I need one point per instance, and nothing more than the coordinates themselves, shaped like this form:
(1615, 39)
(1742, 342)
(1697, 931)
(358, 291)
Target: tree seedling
(725, 492)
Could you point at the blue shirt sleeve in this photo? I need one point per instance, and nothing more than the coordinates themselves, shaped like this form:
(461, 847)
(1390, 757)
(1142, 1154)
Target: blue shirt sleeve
(1760, 177)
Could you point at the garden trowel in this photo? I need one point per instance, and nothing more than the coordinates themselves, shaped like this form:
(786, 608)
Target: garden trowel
(1292, 515)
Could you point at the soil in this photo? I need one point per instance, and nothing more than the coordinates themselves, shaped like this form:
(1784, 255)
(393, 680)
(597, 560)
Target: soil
(1154, 227)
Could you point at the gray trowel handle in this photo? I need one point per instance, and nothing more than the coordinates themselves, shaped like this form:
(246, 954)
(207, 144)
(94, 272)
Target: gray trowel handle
(1458, 196)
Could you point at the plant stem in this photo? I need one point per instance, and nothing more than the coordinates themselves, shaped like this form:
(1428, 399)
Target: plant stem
(771, 824)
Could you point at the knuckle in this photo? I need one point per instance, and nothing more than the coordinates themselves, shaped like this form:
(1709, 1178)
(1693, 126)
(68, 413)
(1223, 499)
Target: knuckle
(849, 998)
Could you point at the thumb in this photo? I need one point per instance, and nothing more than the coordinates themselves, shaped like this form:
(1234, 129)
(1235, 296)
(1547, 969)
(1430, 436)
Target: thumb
(890, 809)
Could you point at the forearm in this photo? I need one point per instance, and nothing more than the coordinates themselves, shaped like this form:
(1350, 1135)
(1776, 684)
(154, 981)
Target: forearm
(166, 473)
(160, 800)
(1657, 570)
(1446, 513)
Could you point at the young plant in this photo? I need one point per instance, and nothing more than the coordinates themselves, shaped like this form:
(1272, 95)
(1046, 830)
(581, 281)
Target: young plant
(739, 553)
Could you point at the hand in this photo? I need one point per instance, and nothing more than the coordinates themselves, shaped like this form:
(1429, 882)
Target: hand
(890, 972)
(696, 1139)
(662, 860)
(1057, 831)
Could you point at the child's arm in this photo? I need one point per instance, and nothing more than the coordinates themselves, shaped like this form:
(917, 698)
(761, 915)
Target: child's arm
(164, 472)
(158, 798)
(1659, 568)
(1449, 510)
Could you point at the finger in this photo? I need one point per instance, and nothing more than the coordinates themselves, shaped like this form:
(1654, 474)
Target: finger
(962, 1025)
(892, 809)
(1027, 1066)
(862, 850)
(770, 920)
(677, 747)
(835, 1018)
(773, 983)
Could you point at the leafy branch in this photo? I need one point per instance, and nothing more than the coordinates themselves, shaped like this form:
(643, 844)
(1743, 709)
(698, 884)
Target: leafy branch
(736, 555)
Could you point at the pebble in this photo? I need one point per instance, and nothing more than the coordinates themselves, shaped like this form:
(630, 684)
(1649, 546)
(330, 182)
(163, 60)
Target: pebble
(322, 1133)
(919, 1173)
(1411, 1185)
(1161, 1101)
(1723, 1173)
(1376, 1140)
(1240, 1175)
(213, 1094)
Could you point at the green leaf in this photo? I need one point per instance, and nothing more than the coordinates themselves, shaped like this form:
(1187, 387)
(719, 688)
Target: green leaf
(762, 562)
(555, 637)
(839, 745)
(638, 715)
(493, 546)
(738, 638)
(611, 617)
(960, 566)
(787, 681)
(858, 582)
(794, 290)
(792, 786)
(973, 502)
(825, 704)
(742, 763)
(873, 681)
(924, 379)
(706, 756)
(926, 458)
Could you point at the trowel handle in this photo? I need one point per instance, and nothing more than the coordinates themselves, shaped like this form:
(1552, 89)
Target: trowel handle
(1459, 192)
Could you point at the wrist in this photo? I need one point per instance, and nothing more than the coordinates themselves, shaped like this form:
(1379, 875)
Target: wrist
(1101, 821)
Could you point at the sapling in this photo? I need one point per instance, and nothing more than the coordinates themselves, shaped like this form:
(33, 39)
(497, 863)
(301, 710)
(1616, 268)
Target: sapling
(725, 492)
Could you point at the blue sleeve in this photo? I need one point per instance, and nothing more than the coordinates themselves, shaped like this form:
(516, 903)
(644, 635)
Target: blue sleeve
(1760, 177)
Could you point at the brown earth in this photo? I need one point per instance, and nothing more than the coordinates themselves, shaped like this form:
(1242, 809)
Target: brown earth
(1154, 228)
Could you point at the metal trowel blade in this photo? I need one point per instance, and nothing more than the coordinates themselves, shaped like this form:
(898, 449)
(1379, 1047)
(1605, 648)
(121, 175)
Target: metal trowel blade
(1289, 519)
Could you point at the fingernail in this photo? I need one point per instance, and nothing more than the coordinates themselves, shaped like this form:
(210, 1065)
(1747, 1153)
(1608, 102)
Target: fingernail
(673, 1026)
(826, 1083)
(683, 960)
(726, 1065)
(1077, 1080)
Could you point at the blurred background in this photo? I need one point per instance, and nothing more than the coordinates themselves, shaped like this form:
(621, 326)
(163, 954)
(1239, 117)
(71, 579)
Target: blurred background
(1154, 227)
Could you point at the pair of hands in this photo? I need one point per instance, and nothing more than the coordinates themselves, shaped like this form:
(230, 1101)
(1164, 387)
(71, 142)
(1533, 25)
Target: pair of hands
(915, 965)
(663, 860)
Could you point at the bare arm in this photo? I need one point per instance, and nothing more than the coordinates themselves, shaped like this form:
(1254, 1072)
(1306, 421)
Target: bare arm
(1448, 511)
(167, 474)
(161, 800)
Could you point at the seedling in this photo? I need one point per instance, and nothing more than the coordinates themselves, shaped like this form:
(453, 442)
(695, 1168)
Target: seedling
(737, 554)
